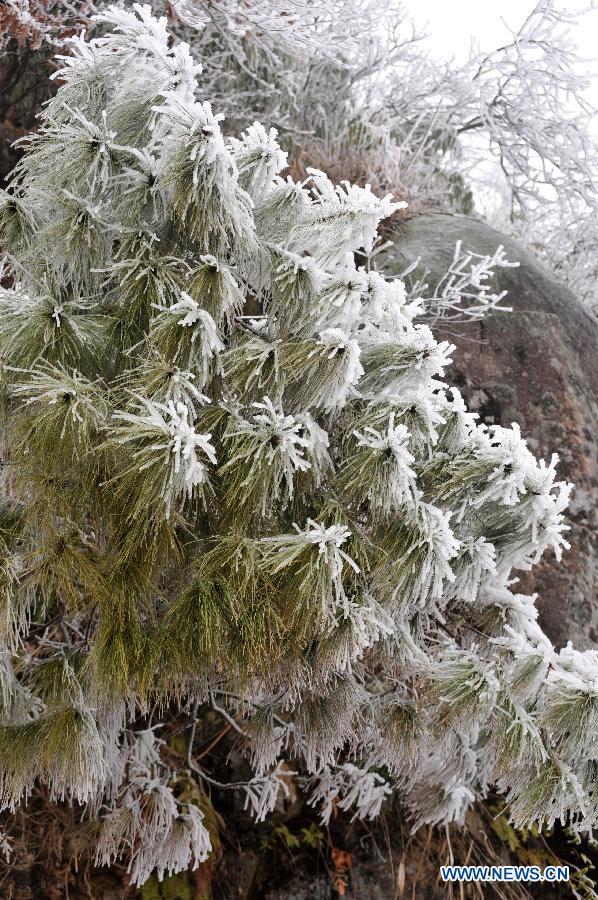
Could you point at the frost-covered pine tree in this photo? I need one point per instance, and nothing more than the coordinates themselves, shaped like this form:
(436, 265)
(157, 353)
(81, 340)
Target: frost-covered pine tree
(233, 477)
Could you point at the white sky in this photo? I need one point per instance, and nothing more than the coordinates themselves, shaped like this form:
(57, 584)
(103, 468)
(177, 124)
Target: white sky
(453, 24)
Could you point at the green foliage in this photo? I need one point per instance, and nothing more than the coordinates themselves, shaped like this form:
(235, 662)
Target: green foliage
(547, 848)
(176, 887)
(234, 478)
(309, 837)
(47, 327)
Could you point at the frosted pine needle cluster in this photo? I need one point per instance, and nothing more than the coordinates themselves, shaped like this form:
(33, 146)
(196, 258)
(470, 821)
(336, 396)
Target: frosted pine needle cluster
(236, 477)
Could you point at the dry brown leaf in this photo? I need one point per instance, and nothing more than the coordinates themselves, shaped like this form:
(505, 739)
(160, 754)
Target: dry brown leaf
(401, 879)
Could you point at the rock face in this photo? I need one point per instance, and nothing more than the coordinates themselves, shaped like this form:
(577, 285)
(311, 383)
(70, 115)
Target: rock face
(538, 366)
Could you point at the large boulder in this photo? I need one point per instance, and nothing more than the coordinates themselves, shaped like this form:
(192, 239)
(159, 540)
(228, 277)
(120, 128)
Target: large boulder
(538, 366)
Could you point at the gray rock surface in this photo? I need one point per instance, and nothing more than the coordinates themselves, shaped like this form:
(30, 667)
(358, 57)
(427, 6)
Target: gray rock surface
(537, 366)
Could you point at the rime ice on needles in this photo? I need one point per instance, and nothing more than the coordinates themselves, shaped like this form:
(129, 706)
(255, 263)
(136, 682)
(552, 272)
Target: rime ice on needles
(342, 219)
(203, 345)
(284, 439)
(333, 344)
(349, 786)
(262, 792)
(237, 466)
(168, 437)
(185, 444)
(316, 551)
(269, 450)
(259, 158)
(395, 484)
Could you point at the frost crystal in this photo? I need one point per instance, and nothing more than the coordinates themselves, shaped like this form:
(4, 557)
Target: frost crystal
(237, 470)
